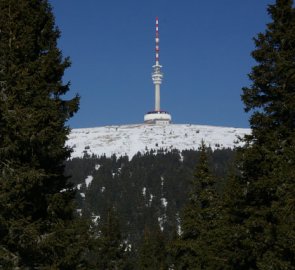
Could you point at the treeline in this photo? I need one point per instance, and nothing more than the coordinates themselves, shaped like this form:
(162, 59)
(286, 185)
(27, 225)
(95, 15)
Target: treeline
(148, 191)
(242, 221)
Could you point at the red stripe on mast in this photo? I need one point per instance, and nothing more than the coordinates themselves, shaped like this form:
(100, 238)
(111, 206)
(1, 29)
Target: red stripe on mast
(157, 49)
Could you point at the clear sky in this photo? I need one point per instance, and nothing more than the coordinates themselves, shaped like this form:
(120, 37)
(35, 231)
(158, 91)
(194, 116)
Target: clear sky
(205, 51)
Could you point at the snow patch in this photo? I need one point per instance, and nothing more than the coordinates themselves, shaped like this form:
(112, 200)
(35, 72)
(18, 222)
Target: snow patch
(79, 212)
(179, 231)
(151, 198)
(164, 202)
(127, 246)
(161, 221)
(162, 181)
(88, 180)
(95, 219)
(97, 166)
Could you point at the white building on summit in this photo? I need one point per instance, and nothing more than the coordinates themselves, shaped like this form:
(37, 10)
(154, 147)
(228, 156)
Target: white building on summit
(157, 116)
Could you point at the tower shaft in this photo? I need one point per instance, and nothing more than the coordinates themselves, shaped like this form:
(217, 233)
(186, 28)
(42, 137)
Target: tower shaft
(157, 98)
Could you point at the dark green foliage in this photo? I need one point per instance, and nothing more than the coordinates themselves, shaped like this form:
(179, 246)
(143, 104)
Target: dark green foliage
(152, 252)
(111, 251)
(37, 224)
(139, 188)
(262, 215)
(200, 217)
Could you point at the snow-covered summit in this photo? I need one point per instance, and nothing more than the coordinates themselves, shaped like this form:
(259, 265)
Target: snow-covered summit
(130, 139)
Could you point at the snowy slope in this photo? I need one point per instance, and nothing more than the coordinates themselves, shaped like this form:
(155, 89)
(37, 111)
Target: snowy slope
(130, 139)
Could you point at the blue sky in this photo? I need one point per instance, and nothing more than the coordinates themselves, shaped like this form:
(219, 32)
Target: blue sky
(205, 51)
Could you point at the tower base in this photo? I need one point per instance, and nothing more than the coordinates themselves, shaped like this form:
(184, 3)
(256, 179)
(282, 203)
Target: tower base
(158, 118)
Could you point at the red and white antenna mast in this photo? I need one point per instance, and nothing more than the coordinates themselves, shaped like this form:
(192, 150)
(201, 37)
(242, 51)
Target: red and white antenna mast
(157, 41)
(157, 75)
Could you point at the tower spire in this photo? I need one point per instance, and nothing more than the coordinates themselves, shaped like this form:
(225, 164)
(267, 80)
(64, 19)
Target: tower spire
(157, 41)
(157, 75)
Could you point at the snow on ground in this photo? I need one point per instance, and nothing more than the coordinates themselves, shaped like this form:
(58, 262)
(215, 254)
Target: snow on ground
(144, 191)
(162, 181)
(164, 202)
(151, 198)
(88, 180)
(161, 221)
(179, 231)
(130, 139)
(95, 218)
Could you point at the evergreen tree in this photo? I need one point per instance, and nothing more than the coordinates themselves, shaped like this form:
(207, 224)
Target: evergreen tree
(264, 219)
(200, 215)
(38, 229)
(228, 252)
(152, 253)
(112, 251)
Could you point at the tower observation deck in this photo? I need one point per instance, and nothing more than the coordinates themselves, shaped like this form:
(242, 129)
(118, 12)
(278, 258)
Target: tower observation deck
(157, 116)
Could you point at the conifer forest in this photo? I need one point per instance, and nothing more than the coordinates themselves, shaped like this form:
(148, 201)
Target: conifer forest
(227, 209)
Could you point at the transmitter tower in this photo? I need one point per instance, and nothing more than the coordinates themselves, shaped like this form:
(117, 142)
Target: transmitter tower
(157, 116)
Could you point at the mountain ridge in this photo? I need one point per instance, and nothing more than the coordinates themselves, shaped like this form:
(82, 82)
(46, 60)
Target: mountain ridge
(130, 139)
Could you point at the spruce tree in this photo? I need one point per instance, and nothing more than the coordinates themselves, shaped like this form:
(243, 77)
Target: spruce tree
(265, 218)
(38, 229)
(228, 236)
(199, 219)
(152, 252)
(112, 251)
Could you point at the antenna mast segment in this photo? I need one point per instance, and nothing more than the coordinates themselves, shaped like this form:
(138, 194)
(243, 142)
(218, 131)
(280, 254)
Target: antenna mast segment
(157, 75)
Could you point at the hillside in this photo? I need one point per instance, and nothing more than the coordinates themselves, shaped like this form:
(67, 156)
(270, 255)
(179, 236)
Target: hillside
(130, 139)
(147, 191)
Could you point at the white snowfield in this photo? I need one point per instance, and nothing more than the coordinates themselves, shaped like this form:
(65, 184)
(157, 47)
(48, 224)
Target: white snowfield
(130, 139)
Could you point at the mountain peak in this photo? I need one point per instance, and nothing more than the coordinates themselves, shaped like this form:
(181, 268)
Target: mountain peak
(130, 139)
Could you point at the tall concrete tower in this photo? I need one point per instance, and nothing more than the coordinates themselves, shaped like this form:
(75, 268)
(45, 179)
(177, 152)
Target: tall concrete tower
(157, 116)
